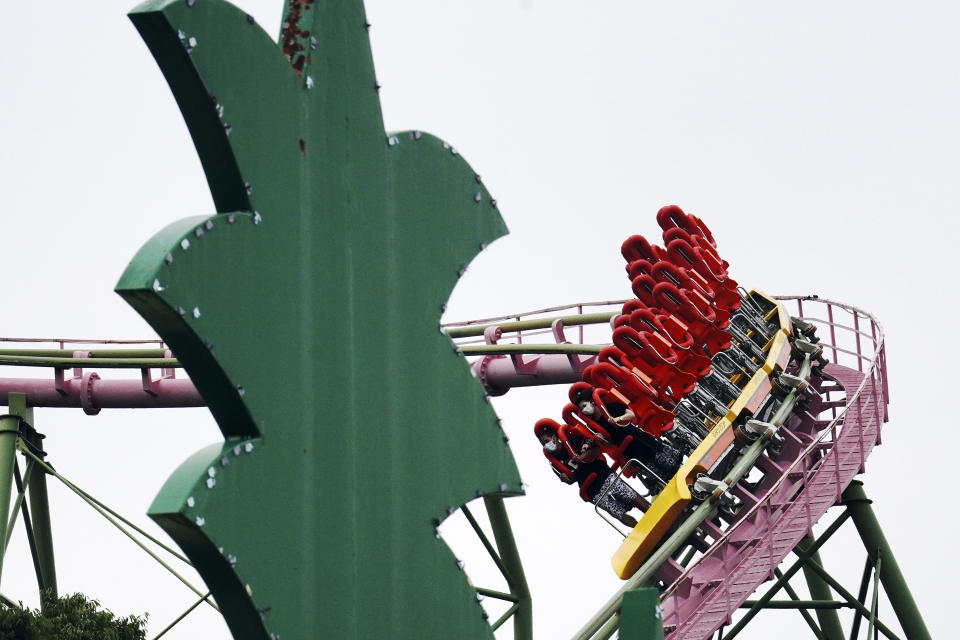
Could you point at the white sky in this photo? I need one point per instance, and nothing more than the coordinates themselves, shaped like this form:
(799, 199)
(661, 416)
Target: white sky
(827, 130)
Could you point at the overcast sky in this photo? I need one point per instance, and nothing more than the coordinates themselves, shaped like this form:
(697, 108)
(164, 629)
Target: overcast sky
(818, 140)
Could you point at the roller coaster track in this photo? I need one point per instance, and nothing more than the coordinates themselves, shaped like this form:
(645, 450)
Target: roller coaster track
(707, 593)
(827, 443)
(827, 438)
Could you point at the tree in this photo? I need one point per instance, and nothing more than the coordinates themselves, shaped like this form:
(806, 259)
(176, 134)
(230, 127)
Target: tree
(74, 617)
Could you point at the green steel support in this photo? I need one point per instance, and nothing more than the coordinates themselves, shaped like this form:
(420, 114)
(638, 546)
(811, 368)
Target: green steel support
(20, 484)
(819, 605)
(104, 363)
(37, 517)
(876, 594)
(494, 555)
(499, 595)
(803, 612)
(42, 530)
(91, 353)
(861, 596)
(510, 557)
(856, 604)
(204, 598)
(506, 616)
(9, 432)
(28, 526)
(876, 545)
(802, 557)
(105, 512)
(828, 618)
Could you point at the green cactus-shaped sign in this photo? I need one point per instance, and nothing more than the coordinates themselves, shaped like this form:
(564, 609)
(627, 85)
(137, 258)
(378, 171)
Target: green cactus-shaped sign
(306, 312)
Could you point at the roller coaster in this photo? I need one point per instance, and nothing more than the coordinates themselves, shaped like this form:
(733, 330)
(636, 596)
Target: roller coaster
(772, 403)
(769, 448)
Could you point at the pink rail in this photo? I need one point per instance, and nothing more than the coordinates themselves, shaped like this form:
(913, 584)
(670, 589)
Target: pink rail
(832, 451)
(81, 387)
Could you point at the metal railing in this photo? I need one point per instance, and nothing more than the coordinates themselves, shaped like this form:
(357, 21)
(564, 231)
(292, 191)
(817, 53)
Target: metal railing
(823, 469)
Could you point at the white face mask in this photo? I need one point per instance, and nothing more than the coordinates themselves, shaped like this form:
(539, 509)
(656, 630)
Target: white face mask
(588, 409)
(552, 447)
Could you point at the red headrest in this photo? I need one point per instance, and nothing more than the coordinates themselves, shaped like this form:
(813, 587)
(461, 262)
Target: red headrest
(576, 388)
(637, 248)
(544, 425)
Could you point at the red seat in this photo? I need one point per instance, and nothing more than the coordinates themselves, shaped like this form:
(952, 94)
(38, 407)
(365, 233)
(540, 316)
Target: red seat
(687, 279)
(639, 268)
(653, 354)
(637, 248)
(683, 254)
(626, 388)
(618, 358)
(643, 286)
(690, 357)
(672, 216)
(697, 313)
(584, 425)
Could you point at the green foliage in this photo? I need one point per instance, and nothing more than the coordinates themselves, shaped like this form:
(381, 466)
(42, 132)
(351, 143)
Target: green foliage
(73, 617)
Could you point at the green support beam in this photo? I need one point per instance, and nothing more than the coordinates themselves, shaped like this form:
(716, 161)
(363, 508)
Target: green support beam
(819, 590)
(510, 558)
(877, 547)
(36, 518)
(802, 557)
(9, 432)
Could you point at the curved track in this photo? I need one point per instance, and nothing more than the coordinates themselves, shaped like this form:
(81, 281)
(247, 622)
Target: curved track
(830, 452)
(826, 443)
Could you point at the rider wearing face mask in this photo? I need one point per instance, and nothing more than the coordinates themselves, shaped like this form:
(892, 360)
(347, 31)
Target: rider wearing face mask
(660, 460)
(606, 490)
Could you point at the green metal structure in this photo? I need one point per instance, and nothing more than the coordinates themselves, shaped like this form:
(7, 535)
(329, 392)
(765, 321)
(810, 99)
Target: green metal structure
(306, 311)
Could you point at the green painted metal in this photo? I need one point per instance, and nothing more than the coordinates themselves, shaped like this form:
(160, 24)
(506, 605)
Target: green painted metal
(526, 325)
(36, 518)
(877, 546)
(828, 618)
(641, 617)
(851, 599)
(876, 595)
(306, 312)
(183, 615)
(802, 557)
(18, 502)
(113, 518)
(820, 605)
(814, 627)
(91, 353)
(42, 532)
(102, 363)
(861, 597)
(9, 432)
(510, 557)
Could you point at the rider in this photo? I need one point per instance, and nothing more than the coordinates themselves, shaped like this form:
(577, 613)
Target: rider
(660, 459)
(606, 491)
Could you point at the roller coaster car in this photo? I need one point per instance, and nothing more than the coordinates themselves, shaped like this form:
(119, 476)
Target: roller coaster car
(716, 452)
